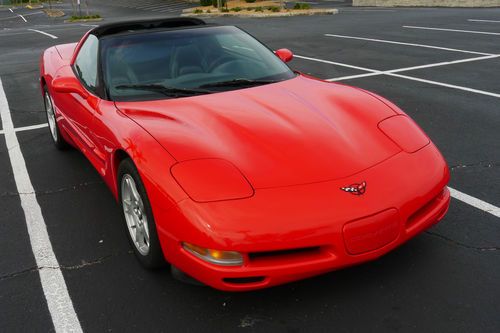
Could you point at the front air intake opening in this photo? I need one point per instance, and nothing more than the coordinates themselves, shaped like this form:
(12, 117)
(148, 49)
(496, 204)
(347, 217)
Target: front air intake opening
(425, 210)
(284, 253)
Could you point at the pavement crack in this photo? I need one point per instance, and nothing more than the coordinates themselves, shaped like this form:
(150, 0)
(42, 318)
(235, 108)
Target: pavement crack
(16, 274)
(55, 191)
(474, 165)
(83, 264)
(70, 188)
(463, 245)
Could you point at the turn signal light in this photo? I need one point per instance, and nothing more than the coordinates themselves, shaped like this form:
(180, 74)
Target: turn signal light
(217, 257)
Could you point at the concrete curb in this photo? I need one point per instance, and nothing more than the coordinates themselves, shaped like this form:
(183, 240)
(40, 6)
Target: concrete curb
(426, 3)
(84, 20)
(284, 13)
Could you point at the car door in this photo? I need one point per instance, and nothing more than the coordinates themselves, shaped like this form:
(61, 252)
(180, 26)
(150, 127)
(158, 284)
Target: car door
(79, 111)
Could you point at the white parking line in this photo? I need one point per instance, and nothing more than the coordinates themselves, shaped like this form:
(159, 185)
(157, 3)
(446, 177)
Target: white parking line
(21, 16)
(453, 30)
(32, 127)
(487, 21)
(28, 128)
(11, 10)
(447, 85)
(338, 64)
(43, 33)
(445, 63)
(374, 72)
(407, 44)
(54, 287)
(475, 202)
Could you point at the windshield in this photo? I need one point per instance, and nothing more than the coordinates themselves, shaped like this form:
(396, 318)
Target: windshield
(180, 63)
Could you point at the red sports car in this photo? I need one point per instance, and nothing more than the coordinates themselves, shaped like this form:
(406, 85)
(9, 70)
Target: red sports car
(238, 171)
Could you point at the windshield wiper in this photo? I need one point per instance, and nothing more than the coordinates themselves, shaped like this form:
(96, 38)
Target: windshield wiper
(238, 83)
(168, 91)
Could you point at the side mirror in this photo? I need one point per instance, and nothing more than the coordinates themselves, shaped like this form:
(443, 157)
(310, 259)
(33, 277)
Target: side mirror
(69, 84)
(284, 54)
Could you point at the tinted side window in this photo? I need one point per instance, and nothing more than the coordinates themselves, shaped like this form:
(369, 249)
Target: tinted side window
(86, 62)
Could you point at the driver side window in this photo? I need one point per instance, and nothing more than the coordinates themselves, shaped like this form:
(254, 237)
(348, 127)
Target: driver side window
(86, 62)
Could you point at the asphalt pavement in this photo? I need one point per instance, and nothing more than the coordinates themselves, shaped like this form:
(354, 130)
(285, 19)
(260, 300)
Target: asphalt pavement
(439, 65)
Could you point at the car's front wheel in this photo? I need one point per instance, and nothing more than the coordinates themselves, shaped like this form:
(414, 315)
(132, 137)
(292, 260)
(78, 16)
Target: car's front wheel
(59, 141)
(139, 220)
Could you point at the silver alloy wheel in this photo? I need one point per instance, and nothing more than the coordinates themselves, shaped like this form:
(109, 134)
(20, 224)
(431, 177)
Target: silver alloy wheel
(135, 214)
(51, 117)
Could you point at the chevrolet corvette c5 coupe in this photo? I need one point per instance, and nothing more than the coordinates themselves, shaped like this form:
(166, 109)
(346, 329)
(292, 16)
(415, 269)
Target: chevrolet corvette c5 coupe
(236, 170)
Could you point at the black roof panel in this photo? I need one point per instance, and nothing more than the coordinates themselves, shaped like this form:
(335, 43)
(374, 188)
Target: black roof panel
(158, 23)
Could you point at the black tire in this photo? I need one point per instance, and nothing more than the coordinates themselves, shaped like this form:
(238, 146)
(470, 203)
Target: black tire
(154, 257)
(55, 133)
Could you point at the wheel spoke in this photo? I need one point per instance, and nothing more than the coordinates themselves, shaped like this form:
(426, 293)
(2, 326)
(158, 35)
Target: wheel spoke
(139, 235)
(135, 193)
(51, 117)
(127, 205)
(133, 208)
(146, 237)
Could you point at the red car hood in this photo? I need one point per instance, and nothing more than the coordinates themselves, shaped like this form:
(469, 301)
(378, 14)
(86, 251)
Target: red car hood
(293, 132)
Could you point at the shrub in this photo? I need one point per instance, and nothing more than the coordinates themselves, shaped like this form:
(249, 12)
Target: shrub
(225, 10)
(258, 9)
(236, 9)
(275, 9)
(205, 2)
(299, 5)
(198, 11)
(84, 17)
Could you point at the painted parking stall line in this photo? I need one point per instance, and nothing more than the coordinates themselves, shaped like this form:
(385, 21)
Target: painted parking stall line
(407, 44)
(30, 128)
(23, 17)
(406, 69)
(452, 30)
(485, 21)
(54, 287)
(447, 85)
(475, 202)
(338, 64)
(375, 72)
(27, 128)
(44, 33)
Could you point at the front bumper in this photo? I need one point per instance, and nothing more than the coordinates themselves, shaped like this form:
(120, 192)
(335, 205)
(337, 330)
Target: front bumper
(295, 232)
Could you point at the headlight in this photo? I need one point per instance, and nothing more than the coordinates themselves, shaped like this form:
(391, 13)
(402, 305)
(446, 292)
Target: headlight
(404, 132)
(223, 258)
(206, 180)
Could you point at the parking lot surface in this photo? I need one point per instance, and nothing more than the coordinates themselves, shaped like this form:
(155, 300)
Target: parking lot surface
(441, 66)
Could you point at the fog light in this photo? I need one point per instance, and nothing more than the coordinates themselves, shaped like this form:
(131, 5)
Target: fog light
(223, 258)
